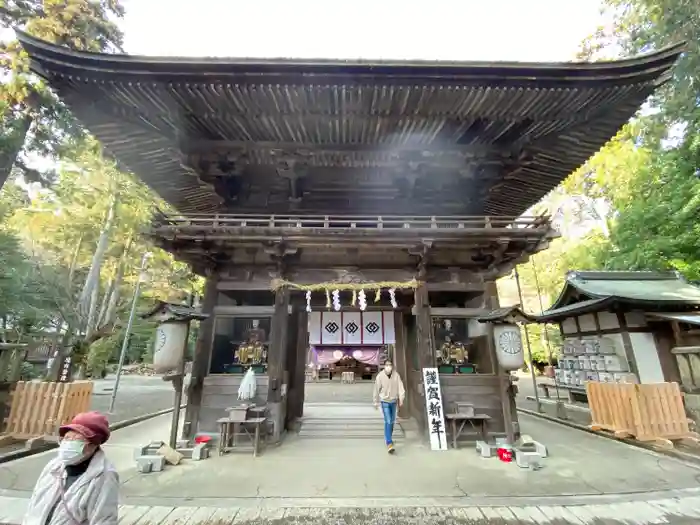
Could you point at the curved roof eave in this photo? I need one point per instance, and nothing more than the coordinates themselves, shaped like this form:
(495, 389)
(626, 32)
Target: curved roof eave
(652, 64)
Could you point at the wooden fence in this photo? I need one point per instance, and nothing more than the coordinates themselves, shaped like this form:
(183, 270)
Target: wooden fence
(648, 412)
(40, 408)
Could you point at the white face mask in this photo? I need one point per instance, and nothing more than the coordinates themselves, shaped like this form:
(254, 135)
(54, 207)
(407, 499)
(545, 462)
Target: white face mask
(71, 452)
(388, 369)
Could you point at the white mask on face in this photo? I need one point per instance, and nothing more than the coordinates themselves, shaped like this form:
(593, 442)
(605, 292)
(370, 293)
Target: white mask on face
(388, 369)
(71, 452)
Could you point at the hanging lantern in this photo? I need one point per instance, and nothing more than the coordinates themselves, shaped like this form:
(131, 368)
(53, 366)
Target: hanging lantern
(336, 300)
(363, 300)
(168, 345)
(392, 298)
(308, 301)
(509, 346)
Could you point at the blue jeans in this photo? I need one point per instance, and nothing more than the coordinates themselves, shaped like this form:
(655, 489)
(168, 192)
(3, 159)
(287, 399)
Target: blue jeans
(389, 411)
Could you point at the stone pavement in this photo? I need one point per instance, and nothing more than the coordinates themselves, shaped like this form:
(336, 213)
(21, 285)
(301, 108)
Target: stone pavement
(586, 479)
(683, 509)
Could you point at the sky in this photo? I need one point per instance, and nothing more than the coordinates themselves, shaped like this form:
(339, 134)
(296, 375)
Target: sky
(520, 30)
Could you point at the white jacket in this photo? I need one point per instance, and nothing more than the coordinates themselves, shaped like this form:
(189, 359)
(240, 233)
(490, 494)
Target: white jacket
(93, 499)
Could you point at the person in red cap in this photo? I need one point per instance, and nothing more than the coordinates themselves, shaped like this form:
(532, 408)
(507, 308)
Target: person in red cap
(80, 486)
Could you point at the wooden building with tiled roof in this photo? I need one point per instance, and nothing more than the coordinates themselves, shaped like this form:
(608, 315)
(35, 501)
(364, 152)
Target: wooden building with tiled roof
(296, 176)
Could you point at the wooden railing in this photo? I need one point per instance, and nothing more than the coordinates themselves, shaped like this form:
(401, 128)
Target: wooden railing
(40, 408)
(367, 222)
(688, 359)
(647, 412)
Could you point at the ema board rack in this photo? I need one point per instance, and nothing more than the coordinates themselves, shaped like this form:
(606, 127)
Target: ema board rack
(592, 359)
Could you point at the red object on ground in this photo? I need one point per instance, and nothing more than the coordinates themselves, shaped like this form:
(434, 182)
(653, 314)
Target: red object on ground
(202, 439)
(505, 454)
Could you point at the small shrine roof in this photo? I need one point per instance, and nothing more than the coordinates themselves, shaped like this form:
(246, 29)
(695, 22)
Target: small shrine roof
(586, 292)
(681, 317)
(176, 312)
(507, 314)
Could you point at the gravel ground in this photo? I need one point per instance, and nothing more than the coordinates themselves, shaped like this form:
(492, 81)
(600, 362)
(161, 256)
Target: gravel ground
(335, 392)
(137, 396)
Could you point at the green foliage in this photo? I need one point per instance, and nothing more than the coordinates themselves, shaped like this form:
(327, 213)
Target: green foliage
(657, 227)
(650, 185)
(541, 347)
(47, 249)
(34, 121)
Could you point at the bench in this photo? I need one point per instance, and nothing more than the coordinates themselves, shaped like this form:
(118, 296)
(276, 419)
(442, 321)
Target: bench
(573, 393)
(229, 429)
(476, 421)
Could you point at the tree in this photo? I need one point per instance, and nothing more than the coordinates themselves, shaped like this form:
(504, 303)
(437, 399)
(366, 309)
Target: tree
(651, 180)
(34, 121)
(89, 224)
(657, 227)
(641, 26)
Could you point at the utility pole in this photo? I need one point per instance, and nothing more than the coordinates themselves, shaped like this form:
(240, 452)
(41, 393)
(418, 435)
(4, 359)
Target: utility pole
(125, 344)
(561, 413)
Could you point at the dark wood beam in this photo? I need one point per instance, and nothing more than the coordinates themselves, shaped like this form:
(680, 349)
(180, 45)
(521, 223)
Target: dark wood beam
(195, 146)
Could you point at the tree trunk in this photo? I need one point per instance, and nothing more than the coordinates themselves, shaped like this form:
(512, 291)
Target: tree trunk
(106, 298)
(93, 278)
(74, 262)
(8, 155)
(92, 313)
(110, 315)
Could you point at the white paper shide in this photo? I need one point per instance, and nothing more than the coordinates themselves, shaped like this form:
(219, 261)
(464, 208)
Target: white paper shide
(434, 409)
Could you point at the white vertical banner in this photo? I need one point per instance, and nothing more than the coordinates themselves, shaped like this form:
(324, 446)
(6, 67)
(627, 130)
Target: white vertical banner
(388, 326)
(315, 328)
(331, 328)
(352, 328)
(434, 409)
(372, 328)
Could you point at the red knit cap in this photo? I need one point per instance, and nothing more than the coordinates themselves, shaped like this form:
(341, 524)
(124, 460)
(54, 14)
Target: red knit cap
(93, 426)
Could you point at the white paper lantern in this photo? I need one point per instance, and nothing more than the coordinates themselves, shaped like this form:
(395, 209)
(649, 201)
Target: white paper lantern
(509, 346)
(169, 346)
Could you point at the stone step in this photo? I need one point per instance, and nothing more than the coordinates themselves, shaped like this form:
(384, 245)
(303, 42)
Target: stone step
(343, 424)
(329, 434)
(353, 428)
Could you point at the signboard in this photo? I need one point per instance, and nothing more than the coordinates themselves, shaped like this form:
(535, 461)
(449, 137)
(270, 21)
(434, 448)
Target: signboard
(65, 372)
(434, 409)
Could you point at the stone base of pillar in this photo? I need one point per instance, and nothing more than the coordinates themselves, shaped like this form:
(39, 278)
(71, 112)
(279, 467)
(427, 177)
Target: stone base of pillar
(276, 413)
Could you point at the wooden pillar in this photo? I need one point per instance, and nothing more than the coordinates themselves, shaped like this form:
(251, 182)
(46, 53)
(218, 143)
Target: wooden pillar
(276, 360)
(627, 344)
(401, 360)
(424, 336)
(297, 372)
(202, 357)
(506, 391)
